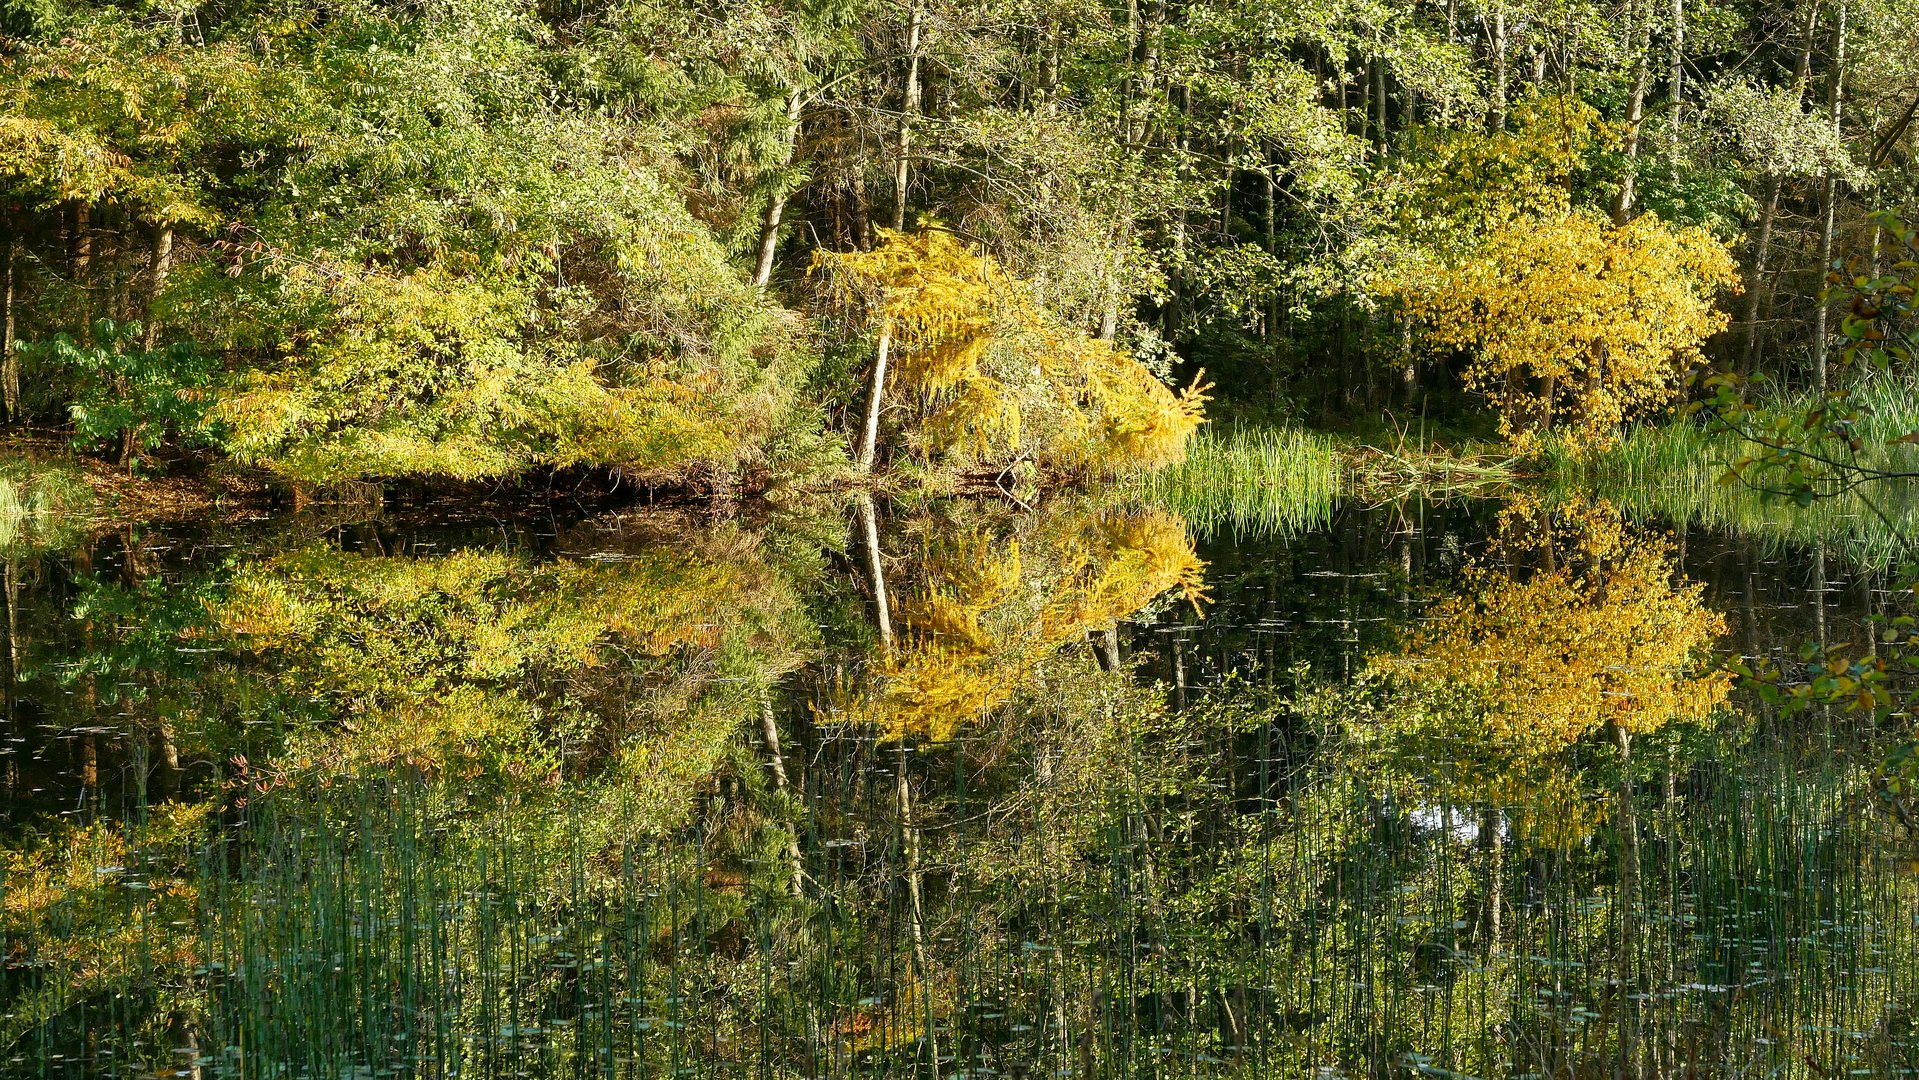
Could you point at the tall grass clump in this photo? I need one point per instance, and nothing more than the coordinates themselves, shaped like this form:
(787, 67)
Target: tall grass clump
(1681, 472)
(38, 503)
(1258, 482)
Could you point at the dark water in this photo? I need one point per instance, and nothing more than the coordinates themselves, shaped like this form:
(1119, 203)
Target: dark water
(663, 795)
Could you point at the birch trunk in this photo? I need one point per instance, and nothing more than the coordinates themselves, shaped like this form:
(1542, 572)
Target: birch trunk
(870, 430)
(1835, 100)
(9, 363)
(1635, 116)
(776, 204)
(909, 109)
(876, 570)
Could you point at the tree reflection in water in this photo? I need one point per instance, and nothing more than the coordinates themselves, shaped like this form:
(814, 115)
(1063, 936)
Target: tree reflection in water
(960, 789)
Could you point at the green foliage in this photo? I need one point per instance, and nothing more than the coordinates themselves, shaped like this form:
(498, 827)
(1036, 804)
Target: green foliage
(128, 396)
(476, 240)
(1455, 186)
(1819, 448)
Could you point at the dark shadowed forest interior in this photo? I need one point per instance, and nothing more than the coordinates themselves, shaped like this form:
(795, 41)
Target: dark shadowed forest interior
(959, 539)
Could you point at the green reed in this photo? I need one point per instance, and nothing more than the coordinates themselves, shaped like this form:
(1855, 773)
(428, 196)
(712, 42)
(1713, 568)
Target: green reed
(39, 504)
(1207, 902)
(1255, 482)
(1092, 882)
(1680, 472)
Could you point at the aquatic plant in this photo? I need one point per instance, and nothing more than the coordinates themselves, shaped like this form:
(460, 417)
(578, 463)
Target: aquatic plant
(1252, 482)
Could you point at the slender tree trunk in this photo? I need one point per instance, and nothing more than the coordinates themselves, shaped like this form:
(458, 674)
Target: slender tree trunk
(1626, 899)
(1872, 274)
(1568, 47)
(9, 363)
(1495, 876)
(1676, 76)
(1269, 318)
(11, 587)
(1379, 102)
(90, 763)
(1762, 251)
(870, 430)
(1640, 41)
(1819, 596)
(922, 974)
(81, 266)
(159, 265)
(770, 732)
(909, 110)
(776, 202)
(1829, 197)
(1179, 673)
(1365, 102)
(1408, 364)
(1146, 66)
(1761, 248)
(876, 570)
(183, 1037)
(1049, 64)
(1497, 30)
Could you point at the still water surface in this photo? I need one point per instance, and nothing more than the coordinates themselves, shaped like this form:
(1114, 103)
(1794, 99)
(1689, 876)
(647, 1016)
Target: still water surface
(955, 791)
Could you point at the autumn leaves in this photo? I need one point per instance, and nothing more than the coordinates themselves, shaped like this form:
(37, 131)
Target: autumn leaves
(988, 374)
(1572, 324)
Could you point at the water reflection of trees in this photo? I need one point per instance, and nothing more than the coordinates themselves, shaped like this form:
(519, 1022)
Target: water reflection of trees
(546, 811)
(974, 605)
(1573, 624)
(342, 725)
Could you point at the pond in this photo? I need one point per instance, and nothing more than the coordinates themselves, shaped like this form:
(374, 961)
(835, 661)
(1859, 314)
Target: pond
(953, 789)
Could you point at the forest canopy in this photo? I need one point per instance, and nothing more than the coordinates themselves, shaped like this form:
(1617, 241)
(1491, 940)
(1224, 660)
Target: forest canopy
(353, 240)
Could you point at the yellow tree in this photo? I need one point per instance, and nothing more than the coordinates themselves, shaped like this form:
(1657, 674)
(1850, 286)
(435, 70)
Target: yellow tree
(1597, 635)
(991, 371)
(1456, 186)
(1574, 323)
(986, 610)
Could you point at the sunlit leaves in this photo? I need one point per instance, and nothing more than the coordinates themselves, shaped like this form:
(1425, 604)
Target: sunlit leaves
(993, 374)
(1597, 634)
(1456, 186)
(985, 611)
(1575, 325)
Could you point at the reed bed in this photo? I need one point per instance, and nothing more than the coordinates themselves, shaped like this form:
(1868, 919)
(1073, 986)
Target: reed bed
(1217, 868)
(1381, 475)
(1254, 483)
(38, 503)
(1344, 920)
(1679, 472)
(1265, 483)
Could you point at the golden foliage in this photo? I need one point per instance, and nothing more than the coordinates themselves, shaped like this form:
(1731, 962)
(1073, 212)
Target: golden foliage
(993, 373)
(93, 904)
(1463, 184)
(1597, 634)
(1573, 321)
(987, 613)
(480, 402)
(461, 662)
